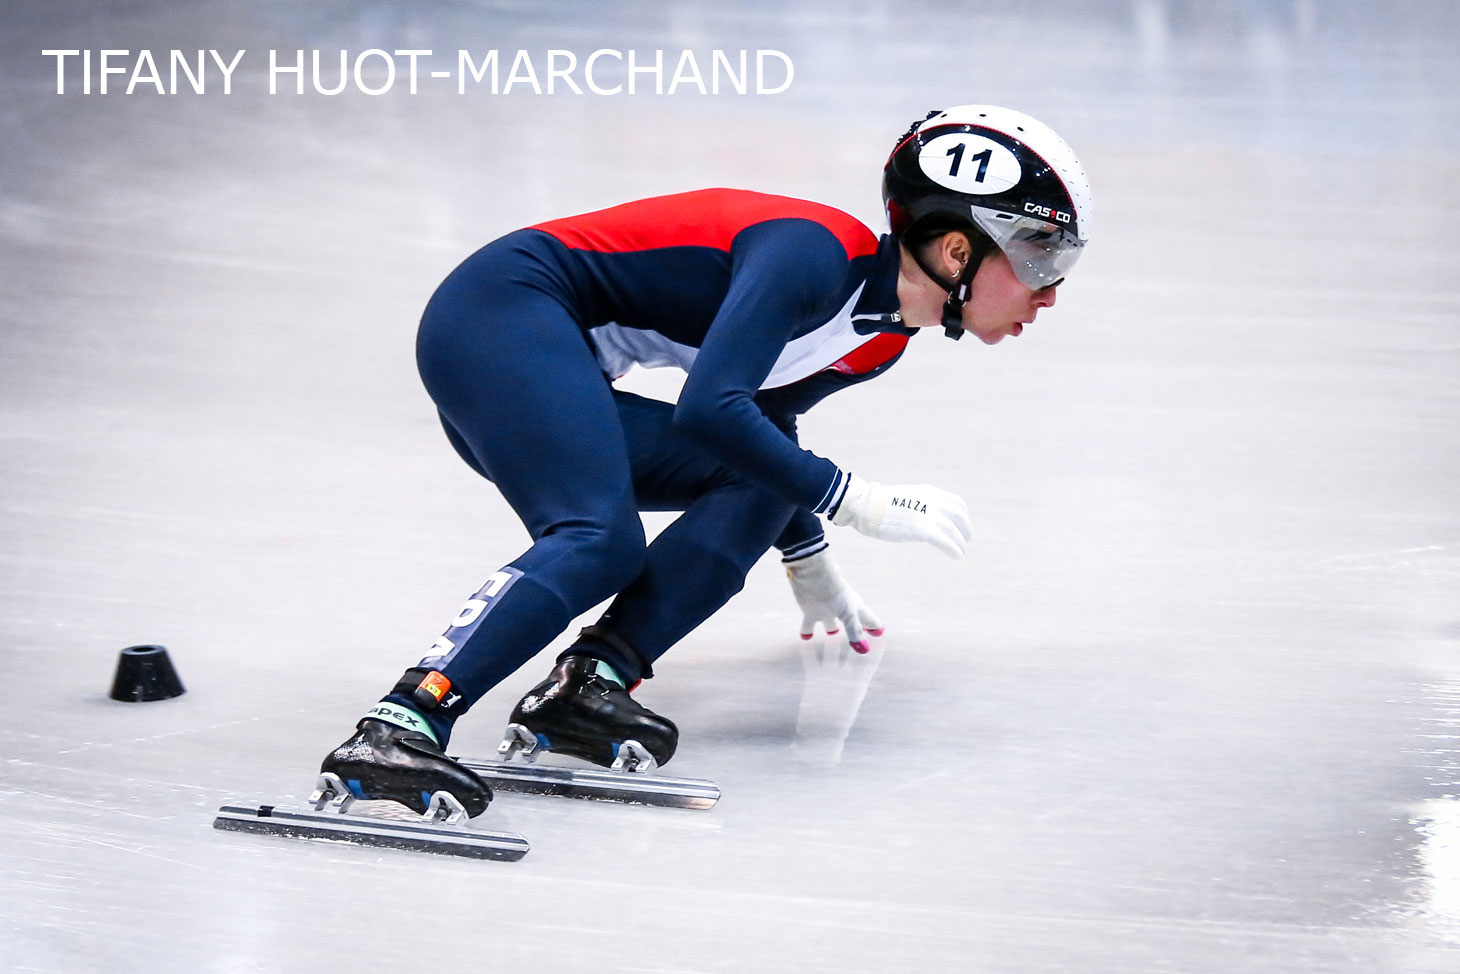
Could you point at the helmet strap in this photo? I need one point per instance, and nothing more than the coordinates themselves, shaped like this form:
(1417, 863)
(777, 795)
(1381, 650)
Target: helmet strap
(958, 296)
(959, 289)
(947, 284)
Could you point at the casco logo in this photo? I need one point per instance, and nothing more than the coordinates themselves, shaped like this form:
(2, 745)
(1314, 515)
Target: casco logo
(1047, 212)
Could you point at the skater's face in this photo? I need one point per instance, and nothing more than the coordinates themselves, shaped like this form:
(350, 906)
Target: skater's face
(1000, 305)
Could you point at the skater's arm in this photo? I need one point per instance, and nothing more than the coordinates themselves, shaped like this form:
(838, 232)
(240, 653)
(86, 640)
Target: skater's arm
(803, 536)
(789, 275)
(786, 274)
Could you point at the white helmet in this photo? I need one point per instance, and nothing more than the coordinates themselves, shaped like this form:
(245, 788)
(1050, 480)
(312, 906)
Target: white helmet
(999, 171)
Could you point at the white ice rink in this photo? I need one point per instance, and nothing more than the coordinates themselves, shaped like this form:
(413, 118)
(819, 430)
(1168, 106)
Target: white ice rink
(1192, 703)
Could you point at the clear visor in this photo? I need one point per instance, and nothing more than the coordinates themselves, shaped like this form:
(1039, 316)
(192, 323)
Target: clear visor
(1040, 252)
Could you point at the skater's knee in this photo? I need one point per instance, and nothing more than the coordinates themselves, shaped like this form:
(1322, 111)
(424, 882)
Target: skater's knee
(609, 553)
(722, 571)
(620, 550)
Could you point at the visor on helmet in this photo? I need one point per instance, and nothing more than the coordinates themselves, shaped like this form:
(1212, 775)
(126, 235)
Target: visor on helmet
(1040, 252)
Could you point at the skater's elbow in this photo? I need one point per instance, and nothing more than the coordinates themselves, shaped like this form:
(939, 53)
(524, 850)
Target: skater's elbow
(704, 419)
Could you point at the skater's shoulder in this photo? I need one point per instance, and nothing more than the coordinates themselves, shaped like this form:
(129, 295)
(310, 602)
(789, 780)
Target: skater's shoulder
(743, 208)
(714, 217)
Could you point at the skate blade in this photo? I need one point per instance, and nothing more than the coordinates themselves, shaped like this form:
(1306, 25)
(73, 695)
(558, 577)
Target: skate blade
(596, 784)
(416, 835)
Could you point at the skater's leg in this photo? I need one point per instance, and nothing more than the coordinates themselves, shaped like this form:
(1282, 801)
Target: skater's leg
(521, 394)
(692, 568)
(700, 560)
(523, 401)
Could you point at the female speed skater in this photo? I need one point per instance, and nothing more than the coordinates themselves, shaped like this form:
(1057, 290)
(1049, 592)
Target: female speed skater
(769, 304)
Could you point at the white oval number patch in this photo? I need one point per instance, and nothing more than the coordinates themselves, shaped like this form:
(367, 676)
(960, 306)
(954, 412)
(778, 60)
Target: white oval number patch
(970, 163)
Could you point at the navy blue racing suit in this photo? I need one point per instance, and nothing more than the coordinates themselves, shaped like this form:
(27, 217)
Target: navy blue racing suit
(768, 303)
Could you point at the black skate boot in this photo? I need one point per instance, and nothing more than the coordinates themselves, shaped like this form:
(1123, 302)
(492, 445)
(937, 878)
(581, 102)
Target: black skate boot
(575, 711)
(383, 761)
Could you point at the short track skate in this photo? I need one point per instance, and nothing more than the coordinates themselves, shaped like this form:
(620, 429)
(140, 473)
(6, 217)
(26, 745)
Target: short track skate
(334, 813)
(631, 779)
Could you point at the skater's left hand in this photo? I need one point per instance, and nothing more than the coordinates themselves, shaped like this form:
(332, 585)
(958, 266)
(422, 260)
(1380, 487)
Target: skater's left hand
(825, 597)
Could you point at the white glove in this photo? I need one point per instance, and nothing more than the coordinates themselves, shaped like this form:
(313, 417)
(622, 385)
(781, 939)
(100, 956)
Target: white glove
(825, 597)
(906, 512)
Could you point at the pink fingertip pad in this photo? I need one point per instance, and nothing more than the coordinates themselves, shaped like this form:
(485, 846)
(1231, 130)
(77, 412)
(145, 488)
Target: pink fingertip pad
(875, 632)
(863, 648)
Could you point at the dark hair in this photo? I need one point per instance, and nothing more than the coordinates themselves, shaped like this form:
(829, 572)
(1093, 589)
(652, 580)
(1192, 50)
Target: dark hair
(930, 228)
(914, 127)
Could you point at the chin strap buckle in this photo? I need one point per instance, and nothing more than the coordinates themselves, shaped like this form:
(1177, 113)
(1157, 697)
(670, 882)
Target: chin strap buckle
(957, 298)
(953, 317)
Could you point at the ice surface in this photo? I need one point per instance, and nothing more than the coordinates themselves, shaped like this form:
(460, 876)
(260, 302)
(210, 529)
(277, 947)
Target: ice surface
(1191, 704)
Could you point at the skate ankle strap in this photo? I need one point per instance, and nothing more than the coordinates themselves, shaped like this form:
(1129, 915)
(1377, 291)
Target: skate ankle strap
(404, 717)
(604, 670)
(620, 645)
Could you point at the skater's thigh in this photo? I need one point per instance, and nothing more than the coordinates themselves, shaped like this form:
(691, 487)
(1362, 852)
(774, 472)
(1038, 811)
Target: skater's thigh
(725, 510)
(516, 382)
(670, 471)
